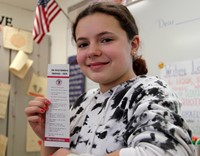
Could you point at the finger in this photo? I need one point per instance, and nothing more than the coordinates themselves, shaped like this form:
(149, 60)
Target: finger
(34, 110)
(40, 102)
(36, 103)
(35, 119)
(44, 100)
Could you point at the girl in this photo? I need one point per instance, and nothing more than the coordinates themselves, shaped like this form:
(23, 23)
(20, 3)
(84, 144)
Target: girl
(130, 114)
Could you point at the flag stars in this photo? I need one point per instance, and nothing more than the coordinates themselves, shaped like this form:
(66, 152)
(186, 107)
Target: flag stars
(43, 2)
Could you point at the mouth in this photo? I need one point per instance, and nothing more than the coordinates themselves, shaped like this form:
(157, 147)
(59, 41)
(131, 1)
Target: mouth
(97, 65)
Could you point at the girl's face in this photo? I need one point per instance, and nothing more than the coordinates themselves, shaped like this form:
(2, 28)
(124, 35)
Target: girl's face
(104, 52)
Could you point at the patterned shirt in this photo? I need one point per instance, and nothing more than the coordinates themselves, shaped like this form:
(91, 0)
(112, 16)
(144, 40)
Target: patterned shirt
(140, 116)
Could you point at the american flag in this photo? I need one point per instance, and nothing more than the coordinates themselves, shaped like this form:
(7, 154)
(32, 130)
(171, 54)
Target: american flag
(46, 11)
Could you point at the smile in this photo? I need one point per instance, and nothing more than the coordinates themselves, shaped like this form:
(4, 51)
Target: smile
(97, 65)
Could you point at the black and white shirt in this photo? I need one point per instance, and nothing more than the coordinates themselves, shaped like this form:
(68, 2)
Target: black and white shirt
(140, 117)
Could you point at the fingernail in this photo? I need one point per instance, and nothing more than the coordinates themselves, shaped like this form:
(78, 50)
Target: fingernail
(47, 102)
(42, 110)
(46, 107)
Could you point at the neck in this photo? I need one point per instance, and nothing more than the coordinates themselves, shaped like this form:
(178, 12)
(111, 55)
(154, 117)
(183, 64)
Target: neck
(107, 86)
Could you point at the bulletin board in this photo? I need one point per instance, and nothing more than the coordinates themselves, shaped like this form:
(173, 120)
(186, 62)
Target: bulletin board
(14, 125)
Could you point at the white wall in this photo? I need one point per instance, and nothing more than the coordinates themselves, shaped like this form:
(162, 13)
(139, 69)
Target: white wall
(59, 34)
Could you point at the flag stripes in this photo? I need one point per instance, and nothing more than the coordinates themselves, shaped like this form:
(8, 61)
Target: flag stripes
(46, 11)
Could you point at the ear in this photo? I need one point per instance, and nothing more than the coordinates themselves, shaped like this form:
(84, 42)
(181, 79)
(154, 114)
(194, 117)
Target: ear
(135, 45)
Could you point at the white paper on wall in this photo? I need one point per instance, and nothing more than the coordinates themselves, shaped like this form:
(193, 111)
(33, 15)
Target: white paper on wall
(20, 65)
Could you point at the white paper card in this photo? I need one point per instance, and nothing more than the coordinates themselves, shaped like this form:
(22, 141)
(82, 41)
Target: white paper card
(20, 65)
(57, 125)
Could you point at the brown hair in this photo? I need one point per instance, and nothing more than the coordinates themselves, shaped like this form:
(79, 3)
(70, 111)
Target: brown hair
(126, 21)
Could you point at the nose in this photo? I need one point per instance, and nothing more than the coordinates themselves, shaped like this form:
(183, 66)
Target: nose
(93, 50)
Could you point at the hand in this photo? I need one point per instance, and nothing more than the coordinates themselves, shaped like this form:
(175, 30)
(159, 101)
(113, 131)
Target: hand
(35, 112)
(62, 152)
(115, 153)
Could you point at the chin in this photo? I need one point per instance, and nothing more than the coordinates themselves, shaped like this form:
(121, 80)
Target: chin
(97, 80)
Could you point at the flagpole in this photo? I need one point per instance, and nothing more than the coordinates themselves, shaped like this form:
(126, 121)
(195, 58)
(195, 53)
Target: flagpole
(64, 12)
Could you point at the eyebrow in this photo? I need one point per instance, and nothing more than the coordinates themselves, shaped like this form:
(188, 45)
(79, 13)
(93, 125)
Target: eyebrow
(98, 35)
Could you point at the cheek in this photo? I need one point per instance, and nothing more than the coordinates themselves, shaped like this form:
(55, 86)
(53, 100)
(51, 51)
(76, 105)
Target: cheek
(80, 58)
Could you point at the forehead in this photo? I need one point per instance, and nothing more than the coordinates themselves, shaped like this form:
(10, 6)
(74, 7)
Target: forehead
(97, 21)
(98, 16)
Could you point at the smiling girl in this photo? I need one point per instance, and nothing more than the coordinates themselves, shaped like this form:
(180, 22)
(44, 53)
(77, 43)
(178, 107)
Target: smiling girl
(130, 114)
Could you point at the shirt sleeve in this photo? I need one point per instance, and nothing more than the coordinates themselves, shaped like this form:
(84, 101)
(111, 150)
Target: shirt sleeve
(155, 126)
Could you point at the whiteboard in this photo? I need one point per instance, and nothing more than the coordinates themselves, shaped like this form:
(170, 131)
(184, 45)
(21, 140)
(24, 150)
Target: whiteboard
(169, 31)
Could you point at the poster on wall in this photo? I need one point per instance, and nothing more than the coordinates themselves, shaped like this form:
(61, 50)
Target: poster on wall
(184, 78)
(76, 80)
(4, 95)
(37, 86)
(20, 65)
(17, 39)
(32, 140)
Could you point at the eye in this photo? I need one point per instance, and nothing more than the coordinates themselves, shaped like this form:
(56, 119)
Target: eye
(82, 45)
(105, 40)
